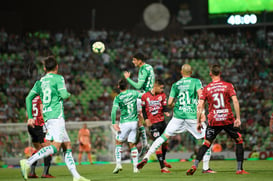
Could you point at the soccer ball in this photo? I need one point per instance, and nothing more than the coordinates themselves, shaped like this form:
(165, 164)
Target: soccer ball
(98, 47)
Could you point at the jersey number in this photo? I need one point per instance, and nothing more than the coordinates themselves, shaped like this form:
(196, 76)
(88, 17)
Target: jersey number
(130, 108)
(47, 95)
(35, 110)
(185, 98)
(219, 98)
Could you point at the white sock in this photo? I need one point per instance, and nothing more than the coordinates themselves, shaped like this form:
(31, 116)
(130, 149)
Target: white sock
(134, 156)
(156, 144)
(206, 159)
(69, 161)
(143, 135)
(118, 154)
(43, 152)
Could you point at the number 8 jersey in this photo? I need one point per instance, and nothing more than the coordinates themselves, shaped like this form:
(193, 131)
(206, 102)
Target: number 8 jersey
(52, 91)
(185, 92)
(218, 94)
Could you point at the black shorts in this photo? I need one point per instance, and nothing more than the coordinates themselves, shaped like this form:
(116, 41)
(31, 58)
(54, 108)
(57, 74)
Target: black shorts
(37, 134)
(213, 131)
(157, 129)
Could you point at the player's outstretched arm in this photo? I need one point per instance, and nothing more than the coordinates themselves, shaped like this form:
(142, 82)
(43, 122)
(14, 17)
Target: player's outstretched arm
(136, 85)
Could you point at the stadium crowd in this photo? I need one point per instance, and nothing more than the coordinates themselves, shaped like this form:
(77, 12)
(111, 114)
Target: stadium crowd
(245, 56)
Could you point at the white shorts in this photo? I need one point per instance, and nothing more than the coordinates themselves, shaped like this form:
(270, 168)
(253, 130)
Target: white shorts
(56, 131)
(181, 125)
(128, 131)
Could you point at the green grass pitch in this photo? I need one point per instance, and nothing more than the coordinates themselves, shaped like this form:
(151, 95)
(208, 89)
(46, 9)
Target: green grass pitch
(261, 170)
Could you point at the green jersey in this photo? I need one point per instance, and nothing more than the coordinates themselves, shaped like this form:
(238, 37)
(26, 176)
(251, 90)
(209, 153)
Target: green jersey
(52, 91)
(146, 78)
(185, 92)
(126, 101)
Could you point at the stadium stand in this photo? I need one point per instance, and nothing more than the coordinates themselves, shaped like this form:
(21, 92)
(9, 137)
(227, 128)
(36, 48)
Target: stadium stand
(91, 78)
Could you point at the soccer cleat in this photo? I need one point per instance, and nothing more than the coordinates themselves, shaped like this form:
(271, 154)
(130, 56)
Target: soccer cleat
(241, 172)
(141, 164)
(167, 165)
(32, 176)
(81, 179)
(191, 170)
(117, 169)
(208, 171)
(47, 176)
(144, 150)
(136, 170)
(164, 170)
(24, 168)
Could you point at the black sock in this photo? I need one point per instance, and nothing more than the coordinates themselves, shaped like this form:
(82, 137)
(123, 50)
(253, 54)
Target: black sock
(161, 160)
(239, 156)
(202, 150)
(164, 151)
(32, 168)
(47, 162)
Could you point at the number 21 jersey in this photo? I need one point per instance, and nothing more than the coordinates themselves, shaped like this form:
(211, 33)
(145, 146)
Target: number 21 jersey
(185, 91)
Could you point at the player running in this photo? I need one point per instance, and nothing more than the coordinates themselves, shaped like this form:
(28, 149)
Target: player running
(126, 130)
(154, 106)
(186, 91)
(218, 95)
(146, 78)
(52, 90)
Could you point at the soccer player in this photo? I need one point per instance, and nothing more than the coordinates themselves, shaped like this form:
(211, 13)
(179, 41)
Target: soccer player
(271, 123)
(145, 83)
(126, 101)
(85, 143)
(37, 134)
(218, 94)
(186, 92)
(154, 106)
(52, 90)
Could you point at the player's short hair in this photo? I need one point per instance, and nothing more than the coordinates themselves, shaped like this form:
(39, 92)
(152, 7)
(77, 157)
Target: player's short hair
(50, 63)
(215, 69)
(159, 81)
(186, 69)
(122, 84)
(139, 56)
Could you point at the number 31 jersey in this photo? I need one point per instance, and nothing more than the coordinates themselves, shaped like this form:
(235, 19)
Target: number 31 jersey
(185, 92)
(218, 94)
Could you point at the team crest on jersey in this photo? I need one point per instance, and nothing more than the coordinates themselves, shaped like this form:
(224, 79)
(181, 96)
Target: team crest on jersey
(156, 134)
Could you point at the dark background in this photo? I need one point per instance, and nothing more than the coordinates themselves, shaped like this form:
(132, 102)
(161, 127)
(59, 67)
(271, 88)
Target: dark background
(55, 15)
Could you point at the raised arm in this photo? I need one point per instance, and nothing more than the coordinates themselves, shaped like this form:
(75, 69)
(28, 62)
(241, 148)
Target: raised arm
(136, 85)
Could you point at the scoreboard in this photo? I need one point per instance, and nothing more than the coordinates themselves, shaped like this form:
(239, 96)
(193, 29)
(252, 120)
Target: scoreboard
(240, 12)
